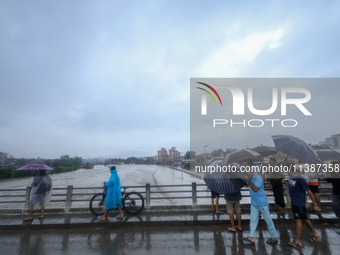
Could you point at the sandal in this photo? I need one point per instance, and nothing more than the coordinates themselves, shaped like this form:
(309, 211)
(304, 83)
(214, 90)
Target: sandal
(248, 241)
(220, 212)
(294, 244)
(41, 218)
(230, 230)
(314, 238)
(27, 219)
(272, 241)
(213, 210)
(337, 225)
(238, 229)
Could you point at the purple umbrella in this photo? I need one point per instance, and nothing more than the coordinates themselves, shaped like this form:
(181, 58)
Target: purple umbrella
(35, 167)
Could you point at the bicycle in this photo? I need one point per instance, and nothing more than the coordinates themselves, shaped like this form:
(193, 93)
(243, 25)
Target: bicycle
(133, 202)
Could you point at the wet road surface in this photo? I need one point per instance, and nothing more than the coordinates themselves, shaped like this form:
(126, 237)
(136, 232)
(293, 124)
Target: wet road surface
(166, 240)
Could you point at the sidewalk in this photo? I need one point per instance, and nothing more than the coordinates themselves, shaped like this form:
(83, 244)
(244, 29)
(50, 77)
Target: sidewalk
(146, 219)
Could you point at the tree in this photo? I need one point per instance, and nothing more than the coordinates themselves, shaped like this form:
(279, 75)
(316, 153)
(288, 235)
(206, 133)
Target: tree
(190, 155)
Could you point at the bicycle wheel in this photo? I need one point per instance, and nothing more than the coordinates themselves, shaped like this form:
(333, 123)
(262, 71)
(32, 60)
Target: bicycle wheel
(133, 203)
(97, 205)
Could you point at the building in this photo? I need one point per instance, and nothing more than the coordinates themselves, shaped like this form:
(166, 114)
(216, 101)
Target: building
(6, 159)
(333, 141)
(174, 155)
(163, 155)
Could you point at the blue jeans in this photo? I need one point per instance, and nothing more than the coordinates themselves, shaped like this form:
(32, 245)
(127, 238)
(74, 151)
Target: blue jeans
(254, 220)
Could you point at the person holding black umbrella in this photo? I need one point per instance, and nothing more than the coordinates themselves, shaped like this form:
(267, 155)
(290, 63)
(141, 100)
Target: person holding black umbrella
(334, 178)
(259, 204)
(297, 191)
(275, 180)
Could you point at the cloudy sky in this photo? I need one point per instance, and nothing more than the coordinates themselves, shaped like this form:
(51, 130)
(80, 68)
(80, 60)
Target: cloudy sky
(97, 78)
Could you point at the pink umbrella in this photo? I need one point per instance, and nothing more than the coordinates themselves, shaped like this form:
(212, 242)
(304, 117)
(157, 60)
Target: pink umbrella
(35, 167)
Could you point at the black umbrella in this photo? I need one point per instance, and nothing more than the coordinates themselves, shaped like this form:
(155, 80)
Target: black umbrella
(240, 155)
(227, 182)
(328, 154)
(265, 151)
(295, 148)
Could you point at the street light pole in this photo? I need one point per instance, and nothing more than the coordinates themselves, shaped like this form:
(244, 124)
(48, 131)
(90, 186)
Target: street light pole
(205, 153)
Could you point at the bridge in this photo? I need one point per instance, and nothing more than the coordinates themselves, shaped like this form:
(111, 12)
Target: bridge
(169, 229)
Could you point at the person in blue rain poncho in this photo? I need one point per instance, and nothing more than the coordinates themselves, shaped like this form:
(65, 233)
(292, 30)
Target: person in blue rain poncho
(113, 194)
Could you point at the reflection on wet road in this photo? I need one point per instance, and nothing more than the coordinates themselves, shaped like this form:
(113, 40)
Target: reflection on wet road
(165, 240)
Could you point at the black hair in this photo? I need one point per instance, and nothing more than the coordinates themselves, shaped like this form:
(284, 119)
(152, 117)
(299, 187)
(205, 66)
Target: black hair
(290, 166)
(113, 168)
(42, 172)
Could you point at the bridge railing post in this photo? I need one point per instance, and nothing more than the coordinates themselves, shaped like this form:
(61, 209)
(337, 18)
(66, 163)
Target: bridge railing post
(27, 197)
(148, 195)
(286, 186)
(194, 194)
(69, 198)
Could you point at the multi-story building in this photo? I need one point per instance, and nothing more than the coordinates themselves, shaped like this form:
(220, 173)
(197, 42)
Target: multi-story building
(6, 159)
(163, 155)
(334, 141)
(174, 155)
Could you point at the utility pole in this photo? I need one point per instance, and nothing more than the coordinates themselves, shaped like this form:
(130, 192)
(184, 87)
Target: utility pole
(205, 153)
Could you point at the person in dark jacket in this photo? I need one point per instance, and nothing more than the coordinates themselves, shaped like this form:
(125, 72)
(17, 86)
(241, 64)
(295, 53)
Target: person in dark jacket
(275, 180)
(334, 178)
(297, 191)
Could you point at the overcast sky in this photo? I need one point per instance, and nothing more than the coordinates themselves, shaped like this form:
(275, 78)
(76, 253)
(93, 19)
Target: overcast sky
(96, 78)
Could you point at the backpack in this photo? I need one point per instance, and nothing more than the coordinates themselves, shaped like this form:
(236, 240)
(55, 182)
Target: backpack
(45, 185)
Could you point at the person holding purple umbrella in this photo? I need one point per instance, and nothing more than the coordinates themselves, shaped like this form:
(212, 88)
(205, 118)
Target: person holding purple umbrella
(40, 194)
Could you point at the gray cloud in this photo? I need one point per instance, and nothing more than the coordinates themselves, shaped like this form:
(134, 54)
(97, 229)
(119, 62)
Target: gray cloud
(95, 79)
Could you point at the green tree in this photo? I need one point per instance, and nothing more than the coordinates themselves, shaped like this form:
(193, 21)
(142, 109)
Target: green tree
(190, 155)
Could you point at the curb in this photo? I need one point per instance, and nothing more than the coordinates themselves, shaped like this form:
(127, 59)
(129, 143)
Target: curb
(113, 225)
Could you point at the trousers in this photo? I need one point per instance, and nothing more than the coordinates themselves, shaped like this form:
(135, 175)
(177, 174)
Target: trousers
(254, 220)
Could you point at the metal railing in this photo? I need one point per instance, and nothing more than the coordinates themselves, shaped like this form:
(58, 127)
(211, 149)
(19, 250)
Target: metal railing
(69, 196)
